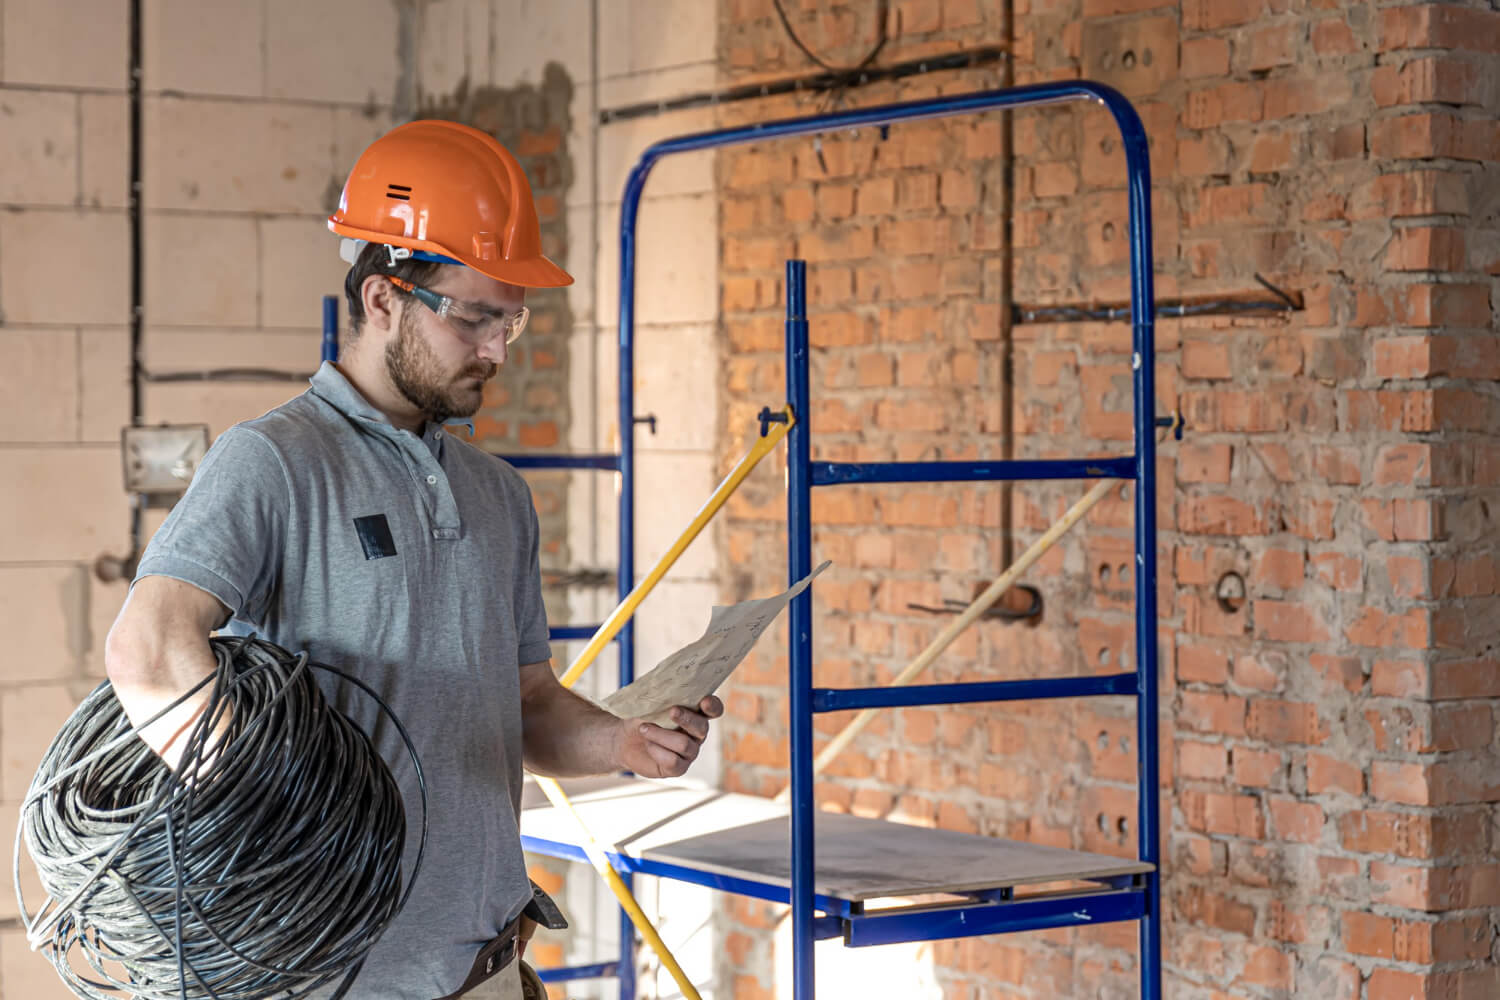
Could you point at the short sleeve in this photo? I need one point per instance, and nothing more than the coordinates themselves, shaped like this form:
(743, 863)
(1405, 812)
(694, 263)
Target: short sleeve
(531, 614)
(226, 535)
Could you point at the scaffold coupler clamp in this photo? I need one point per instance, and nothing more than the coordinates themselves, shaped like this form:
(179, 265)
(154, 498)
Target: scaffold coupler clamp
(1174, 422)
(767, 417)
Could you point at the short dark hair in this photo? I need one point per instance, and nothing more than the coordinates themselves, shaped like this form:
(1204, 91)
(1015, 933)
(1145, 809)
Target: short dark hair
(376, 259)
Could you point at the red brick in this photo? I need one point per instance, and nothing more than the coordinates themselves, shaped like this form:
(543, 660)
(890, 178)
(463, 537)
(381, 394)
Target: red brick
(876, 196)
(1212, 713)
(1280, 569)
(1268, 968)
(1333, 36)
(1206, 360)
(1445, 79)
(1204, 463)
(1306, 95)
(1223, 515)
(1297, 822)
(1381, 629)
(1273, 46)
(798, 204)
(1236, 205)
(1211, 107)
(1208, 15)
(1209, 761)
(1276, 721)
(1376, 832)
(1053, 180)
(1386, 937)
(1406, 576)
(1431, 135)
(1202, 664)
(1397, 781)
(1200, 57)
(1418, 464)
(1260, 673)
(1473, 678)
(1199, 906)
(1330, 774)
(1418, 192)
(1439, 248)
(1204, 155)
(1259, 768)
(1234, 815)
(1400, 678)
(1270, 152)
(1439, 26)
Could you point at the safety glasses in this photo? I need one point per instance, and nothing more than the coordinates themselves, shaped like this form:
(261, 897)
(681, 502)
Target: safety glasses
(474, 324)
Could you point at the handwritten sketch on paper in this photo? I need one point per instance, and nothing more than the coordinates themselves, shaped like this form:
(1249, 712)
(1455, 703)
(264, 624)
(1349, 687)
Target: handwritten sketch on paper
(697, 669)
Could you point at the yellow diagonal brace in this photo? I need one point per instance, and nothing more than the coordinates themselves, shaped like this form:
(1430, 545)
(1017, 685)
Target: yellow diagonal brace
(595, 851)
(600, 861)
(627, 608)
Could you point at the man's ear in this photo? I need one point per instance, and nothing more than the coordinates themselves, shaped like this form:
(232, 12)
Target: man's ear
(379, 298)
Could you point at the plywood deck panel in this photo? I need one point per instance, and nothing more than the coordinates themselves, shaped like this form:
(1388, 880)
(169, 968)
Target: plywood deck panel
(748, 837)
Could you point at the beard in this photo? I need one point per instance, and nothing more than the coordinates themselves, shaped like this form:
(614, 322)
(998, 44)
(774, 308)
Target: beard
(418, 375)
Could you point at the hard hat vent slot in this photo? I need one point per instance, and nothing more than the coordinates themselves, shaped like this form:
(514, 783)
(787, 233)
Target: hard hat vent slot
(401, 192)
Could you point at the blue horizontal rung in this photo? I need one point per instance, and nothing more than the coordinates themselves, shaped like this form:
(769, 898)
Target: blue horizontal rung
(844, 699)
(534, 461)
(842, 473)
(563, 633)
(603, 970)
(935, 923)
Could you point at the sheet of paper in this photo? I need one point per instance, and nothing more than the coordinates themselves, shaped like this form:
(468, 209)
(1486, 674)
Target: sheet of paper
(697, 669)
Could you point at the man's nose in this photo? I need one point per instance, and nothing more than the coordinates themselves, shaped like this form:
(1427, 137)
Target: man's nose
(495, 349)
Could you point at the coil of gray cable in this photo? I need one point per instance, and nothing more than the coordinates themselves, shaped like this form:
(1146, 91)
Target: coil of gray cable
(269, 873)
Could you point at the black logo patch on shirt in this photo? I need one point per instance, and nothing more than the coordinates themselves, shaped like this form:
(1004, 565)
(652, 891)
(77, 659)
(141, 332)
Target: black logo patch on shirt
(375, 536)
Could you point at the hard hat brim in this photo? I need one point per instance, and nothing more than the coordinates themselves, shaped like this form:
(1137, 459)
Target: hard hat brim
(532, 272)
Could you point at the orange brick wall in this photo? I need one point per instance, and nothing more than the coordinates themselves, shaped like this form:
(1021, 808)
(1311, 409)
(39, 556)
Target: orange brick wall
(1328, 750)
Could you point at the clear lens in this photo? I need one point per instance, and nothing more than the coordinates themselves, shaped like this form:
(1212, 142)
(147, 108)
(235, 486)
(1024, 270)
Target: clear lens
(474, 326)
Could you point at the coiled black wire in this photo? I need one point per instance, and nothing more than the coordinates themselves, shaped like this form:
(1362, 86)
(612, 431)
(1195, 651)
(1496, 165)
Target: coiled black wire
(265, 867)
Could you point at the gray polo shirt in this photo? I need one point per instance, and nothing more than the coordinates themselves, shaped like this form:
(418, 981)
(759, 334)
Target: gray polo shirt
(411, 561)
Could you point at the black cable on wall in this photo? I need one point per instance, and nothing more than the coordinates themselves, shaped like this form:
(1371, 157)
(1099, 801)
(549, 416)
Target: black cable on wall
(137, 261)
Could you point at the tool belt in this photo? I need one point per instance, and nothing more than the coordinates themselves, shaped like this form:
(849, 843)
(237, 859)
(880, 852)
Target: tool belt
(500, 951)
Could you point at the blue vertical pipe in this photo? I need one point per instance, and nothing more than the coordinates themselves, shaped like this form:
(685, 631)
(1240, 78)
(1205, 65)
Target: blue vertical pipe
(330, 328)
(1143, 362)
(799, 559)
(625, 580)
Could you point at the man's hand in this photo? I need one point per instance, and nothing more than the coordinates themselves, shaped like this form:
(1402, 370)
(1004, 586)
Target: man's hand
(654, 752)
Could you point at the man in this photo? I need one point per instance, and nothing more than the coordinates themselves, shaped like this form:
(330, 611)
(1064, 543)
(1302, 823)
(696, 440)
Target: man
(348, 523)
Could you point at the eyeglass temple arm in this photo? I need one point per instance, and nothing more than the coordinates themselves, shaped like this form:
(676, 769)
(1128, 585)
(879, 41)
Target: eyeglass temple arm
(432, 300)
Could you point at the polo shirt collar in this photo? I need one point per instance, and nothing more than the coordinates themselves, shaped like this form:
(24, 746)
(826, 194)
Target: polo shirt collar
(330, 384)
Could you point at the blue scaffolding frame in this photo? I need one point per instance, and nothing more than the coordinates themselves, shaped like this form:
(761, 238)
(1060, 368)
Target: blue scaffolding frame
(1128, 897)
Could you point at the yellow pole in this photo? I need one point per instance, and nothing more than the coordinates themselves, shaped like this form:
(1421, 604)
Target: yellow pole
(606, 871)
(627, 608)
(971, 614)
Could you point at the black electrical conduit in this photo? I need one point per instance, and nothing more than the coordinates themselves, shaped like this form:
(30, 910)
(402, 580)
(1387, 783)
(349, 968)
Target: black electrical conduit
(265, 865)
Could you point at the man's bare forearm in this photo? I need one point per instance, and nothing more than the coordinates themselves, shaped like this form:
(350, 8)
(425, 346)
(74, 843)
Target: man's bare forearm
(156, 652)
(564, 735)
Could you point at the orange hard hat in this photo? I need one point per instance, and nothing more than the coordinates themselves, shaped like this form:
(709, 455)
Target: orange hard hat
(443, 191)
